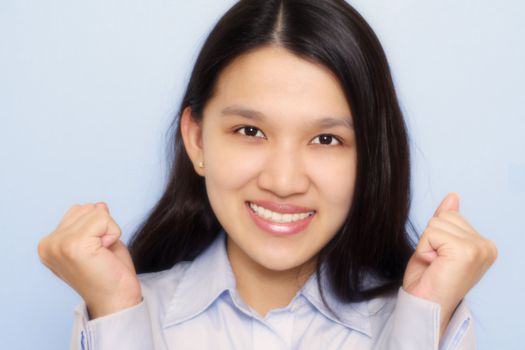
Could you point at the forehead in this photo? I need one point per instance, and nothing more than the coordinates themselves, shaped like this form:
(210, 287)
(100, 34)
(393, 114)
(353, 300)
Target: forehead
(277, 82)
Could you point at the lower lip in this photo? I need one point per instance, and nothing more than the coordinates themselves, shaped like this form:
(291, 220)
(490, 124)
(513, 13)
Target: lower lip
(279, 228)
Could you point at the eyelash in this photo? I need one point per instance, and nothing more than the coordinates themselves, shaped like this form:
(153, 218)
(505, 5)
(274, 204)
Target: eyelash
(249, 127)
(333, 137)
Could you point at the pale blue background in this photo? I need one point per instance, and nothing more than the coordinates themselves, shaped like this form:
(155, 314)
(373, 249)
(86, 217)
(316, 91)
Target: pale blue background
(87, 90)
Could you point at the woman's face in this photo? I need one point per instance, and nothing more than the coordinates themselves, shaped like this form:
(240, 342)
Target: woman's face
(279, 157)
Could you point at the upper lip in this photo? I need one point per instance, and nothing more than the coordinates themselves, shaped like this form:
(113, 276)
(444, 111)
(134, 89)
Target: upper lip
(284, 208)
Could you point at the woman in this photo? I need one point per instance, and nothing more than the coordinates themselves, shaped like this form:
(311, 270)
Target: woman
(283, 225)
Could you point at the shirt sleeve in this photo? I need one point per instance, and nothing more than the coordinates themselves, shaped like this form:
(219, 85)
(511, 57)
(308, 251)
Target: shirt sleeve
(414, 325)
(126, 329)
(460, 334)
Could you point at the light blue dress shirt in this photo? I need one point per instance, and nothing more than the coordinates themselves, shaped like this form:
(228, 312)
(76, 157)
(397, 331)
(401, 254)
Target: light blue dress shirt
(195, 305)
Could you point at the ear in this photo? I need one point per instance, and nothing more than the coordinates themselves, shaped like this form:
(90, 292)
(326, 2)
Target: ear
(191, 132)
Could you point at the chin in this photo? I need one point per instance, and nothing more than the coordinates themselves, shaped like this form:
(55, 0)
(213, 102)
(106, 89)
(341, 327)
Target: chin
(280, 263)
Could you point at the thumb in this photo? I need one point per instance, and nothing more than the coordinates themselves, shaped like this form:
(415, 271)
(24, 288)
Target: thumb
(102, 205)
(450, 203)
(113, 230)
(112, 235)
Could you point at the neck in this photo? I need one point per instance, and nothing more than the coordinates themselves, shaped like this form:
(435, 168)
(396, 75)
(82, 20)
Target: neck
(264, 289)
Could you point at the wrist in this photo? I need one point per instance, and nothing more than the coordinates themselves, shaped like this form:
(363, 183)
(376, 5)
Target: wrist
(446, 315)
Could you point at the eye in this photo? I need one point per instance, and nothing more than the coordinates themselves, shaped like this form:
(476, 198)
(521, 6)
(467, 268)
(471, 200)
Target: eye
(250, 131)
(326, 139)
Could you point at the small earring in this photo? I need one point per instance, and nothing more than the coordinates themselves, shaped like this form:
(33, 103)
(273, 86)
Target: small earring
(201, 164)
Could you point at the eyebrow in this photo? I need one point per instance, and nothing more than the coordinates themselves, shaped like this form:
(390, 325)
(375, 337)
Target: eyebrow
(325, 122)
(243, 112)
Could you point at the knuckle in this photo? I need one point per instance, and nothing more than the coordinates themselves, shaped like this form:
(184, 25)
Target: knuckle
(443, 215)
(102, 216)
(75, 207)
(471, 253)
(430, 231)
(425, 236)
(117, 229)
(484, 253)
(113, 227)
(85, 206)
(493, 249)
(434, 221)
(53, 249)
(449, 215)
(90, 206)
(427, 230)
(99, 209)
(42, 249)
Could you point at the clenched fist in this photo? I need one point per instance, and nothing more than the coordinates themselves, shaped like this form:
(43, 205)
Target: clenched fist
(450, 258)
(85, 251)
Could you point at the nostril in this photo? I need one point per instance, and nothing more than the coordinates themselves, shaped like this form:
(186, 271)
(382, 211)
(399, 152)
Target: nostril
(283, 180)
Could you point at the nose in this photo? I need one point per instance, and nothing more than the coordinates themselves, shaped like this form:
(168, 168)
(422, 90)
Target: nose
(284, 173)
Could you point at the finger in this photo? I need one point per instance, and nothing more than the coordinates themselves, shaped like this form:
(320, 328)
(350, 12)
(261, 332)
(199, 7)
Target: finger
(436, 242)
(113, 230)
(449, 203)
(112, 235)
(74, 212)
(103, 205)
(493, 249)
(457, 219)
(448, 226)
(95, 223)
(77, 210)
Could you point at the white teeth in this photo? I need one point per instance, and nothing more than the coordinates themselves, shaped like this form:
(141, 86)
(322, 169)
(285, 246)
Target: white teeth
(279, 217)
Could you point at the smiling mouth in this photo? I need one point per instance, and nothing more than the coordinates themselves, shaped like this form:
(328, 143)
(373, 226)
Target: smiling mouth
(279, 218)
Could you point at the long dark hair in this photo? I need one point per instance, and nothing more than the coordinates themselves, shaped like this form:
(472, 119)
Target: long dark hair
(374, 240)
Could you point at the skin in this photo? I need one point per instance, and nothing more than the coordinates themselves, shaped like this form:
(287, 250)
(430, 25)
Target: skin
(275, 156)
(283, 163)
(85, 251)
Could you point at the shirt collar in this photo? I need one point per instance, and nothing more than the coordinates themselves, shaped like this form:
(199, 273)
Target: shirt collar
(206, 278)
(354, 315)
(210, 275)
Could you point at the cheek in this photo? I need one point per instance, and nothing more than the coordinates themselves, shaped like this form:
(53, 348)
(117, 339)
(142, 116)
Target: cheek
(228, 166)
(334, 178)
